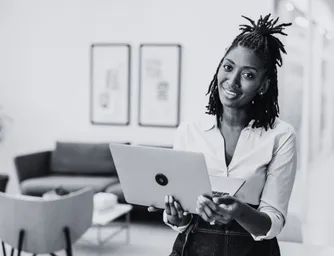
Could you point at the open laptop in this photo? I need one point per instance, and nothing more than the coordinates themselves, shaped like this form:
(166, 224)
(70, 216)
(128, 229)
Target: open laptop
(148, 174)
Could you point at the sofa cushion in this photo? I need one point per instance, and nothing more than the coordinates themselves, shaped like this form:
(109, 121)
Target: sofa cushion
(82, 158)
(38, 186)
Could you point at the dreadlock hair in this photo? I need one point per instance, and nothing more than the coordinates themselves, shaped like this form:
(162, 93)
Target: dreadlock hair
(259, 38)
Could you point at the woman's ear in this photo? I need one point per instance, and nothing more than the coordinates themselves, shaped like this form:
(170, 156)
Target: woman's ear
(264, 87)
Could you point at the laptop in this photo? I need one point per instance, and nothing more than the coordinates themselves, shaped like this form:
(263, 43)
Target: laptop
(148, 174)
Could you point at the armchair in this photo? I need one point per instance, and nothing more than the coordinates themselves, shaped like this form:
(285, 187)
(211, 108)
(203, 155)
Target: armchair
(36, 225)
(3, 182)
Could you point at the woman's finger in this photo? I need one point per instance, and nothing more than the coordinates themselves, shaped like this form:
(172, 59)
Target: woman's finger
(224, 213)
(152, 209)
(201, 212)
(209, 213)
(203, 215)
(173, 211)
(224, 210)
(212, 215)
(167, 207)
(179, 209)
(224, 205)
(208, 202)
(199, 205)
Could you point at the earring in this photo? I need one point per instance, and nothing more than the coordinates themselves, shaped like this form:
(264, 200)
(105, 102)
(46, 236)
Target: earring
(253, 102)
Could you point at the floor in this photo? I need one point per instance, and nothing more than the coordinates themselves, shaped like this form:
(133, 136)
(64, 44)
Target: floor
(145, 239)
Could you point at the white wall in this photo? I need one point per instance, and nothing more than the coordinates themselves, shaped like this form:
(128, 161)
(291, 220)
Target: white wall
(44, 63)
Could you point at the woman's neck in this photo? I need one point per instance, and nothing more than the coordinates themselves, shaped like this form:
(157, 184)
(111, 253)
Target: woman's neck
(234, 118)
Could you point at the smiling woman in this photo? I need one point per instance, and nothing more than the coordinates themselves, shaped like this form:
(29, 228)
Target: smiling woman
(251, 64)
(241, 77)
(243, 138)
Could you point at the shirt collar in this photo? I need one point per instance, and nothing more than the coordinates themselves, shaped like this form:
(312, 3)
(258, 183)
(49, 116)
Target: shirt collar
(209, 122)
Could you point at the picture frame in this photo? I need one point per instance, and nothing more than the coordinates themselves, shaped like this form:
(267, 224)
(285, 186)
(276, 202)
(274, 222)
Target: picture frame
(110, 84)
(159, 85)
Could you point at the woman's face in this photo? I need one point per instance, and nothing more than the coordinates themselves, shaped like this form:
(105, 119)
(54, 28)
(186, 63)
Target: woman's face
(240, 77)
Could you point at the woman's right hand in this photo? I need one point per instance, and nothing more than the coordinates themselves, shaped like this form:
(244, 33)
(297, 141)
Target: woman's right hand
(175, 213)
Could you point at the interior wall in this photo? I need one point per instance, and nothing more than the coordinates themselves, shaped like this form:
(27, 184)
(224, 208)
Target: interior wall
(45, 64)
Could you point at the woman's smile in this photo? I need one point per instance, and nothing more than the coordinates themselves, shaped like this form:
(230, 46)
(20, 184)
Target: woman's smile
(231, 95)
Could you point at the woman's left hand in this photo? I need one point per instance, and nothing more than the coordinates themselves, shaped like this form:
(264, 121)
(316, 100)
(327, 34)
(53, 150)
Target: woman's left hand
(219, 210)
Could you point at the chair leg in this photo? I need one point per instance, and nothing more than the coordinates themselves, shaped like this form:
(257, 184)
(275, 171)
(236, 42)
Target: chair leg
(68, 242)
(21, 236)
(12, 252)
(3, 248)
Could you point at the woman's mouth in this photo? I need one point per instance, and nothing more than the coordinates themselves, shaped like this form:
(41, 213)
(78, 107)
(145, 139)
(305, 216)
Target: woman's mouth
(230, 94)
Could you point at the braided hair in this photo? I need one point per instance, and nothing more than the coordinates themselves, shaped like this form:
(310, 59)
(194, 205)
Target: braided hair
(259, 38)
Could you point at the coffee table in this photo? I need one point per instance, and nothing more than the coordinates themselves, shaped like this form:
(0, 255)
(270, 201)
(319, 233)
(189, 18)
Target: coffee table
(106, 217)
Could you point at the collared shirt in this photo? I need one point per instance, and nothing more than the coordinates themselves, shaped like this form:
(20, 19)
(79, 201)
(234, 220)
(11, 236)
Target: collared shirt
(265, 159)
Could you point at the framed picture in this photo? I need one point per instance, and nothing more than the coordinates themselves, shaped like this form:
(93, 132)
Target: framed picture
(110, 84)
(159, 84)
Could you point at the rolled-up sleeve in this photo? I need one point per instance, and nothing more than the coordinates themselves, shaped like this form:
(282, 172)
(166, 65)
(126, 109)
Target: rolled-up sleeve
(277, 222)
(179, 229)
(280, 178)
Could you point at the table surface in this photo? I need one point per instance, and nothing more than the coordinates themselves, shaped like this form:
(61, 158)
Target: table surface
(296, 249)
(104, 217)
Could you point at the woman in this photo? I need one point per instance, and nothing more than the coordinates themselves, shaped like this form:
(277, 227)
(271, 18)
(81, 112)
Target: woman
(244, 139)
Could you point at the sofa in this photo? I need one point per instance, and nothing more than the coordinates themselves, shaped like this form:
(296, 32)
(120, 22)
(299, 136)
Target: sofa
(71, 165)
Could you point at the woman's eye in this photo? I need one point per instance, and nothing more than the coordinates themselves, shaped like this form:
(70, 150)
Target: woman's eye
(227, 68)
(248, 75)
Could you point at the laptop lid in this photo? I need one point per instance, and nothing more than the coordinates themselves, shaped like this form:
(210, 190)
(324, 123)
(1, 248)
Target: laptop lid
(148, 174)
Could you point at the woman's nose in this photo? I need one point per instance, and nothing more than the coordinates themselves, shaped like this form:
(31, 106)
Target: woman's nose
(234, 80)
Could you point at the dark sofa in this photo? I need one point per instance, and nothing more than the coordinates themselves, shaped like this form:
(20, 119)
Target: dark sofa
(73, 166)
(70, 165)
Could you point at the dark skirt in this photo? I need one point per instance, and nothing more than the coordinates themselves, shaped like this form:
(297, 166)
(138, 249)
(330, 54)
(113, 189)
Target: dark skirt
(203, 239)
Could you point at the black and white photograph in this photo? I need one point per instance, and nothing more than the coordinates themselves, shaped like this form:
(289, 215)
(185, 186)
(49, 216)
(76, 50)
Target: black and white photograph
(172, 128)
(159, 85)
(110, 83)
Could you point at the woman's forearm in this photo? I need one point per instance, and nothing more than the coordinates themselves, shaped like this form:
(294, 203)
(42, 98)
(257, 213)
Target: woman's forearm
(255, 222)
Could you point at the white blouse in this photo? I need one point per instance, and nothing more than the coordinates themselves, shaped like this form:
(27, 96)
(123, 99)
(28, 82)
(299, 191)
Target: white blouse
(265, 159)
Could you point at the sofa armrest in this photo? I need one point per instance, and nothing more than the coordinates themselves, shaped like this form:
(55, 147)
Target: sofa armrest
(32, 165)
